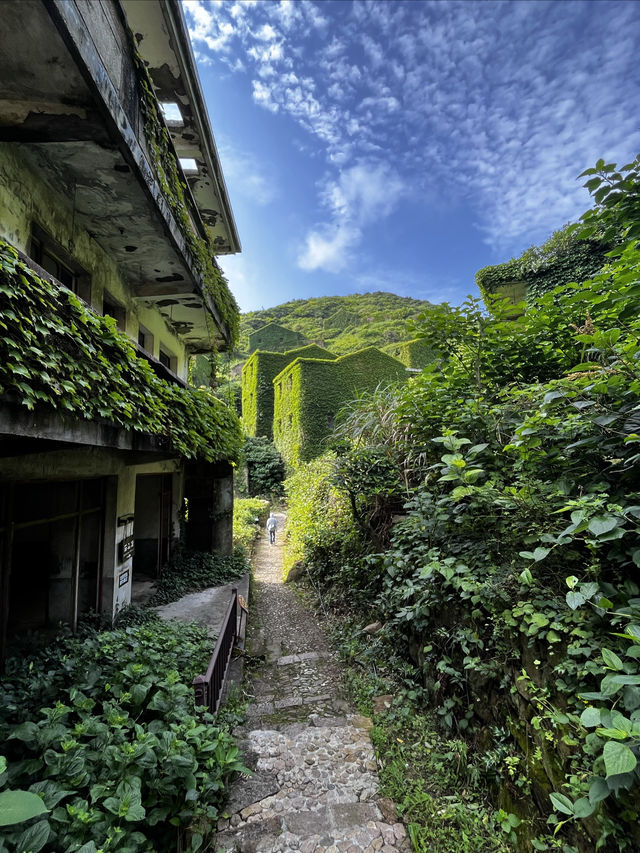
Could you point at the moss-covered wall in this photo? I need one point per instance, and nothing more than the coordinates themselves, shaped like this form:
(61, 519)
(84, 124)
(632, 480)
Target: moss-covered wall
(25, 199)
(308, 394)
(415, 353)
(258, 374)
(274, 338)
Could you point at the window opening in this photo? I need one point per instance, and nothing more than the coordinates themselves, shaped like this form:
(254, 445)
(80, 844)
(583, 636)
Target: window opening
(189, 165)
(112, 308)
(172, 113)
(145, 339)
(168, 359)
(50, 255)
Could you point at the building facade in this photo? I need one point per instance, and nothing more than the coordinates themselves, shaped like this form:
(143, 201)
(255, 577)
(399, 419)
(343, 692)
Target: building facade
(112, 208)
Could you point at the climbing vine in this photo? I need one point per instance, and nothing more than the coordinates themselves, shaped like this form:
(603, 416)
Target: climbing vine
(56, 353)
(173, 189)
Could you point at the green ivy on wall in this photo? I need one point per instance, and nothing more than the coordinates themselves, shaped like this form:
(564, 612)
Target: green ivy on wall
(309, 393)
(415, 353)
(173, 187)
(257, 385)
(56, 353)
(274, 338)
(561, 259)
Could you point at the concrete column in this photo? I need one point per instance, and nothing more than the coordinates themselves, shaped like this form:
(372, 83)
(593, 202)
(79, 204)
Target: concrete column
(208, 489)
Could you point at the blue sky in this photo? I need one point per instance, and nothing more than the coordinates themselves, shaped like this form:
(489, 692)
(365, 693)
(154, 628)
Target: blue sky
(401, 146)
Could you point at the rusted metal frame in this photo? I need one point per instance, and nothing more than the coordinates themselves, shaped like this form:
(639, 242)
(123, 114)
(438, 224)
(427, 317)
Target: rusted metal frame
(208, 687)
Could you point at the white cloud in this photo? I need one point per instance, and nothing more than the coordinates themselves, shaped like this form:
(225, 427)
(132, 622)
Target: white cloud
(495, 104)
(361, 195)
(246, 175)
(328, 248)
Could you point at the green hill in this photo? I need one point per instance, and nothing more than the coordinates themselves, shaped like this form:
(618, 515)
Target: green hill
(342, 324)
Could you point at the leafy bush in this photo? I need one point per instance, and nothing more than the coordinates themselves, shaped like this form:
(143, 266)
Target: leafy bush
(510, 584)
(248, 517)
(103, 728)
(319, 528)
(191, 571)
(265, 468)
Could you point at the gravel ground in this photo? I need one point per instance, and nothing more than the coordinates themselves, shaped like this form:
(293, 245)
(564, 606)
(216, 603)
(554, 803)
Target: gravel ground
(315, 785)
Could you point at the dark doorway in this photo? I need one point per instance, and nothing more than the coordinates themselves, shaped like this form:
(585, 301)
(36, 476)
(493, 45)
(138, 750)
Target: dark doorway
(152, 525)
(52, 536)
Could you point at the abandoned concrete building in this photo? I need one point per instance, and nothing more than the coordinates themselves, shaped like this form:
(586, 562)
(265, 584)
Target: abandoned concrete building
(112, 205)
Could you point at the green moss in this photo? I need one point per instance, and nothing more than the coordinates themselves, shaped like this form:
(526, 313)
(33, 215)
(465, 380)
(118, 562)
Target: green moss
(257, 385)
(55, 353)
(309, 393)
(169, 174)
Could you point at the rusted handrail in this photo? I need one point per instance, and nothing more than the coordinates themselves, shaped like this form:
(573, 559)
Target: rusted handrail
(208, 687)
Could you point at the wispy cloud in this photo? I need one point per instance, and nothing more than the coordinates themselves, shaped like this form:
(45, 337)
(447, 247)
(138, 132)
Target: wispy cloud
(247, 175)
(361, 195)
(495, 104)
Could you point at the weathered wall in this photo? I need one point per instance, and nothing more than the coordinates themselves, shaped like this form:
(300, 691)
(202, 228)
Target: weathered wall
(25, 199)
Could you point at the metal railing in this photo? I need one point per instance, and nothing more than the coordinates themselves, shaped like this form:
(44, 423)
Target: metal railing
(208, 687)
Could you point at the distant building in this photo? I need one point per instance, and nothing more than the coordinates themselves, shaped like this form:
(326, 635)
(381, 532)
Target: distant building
(309, 392)
(112, 204)
(275, 338)
(416, 353)
(258, 374)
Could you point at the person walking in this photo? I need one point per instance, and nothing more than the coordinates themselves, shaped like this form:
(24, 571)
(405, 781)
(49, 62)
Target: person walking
(272, 526)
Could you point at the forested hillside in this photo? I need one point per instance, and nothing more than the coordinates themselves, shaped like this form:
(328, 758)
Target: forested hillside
(342, 324)
(484, 518)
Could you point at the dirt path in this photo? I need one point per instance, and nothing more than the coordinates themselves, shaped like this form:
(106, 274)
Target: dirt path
(315, 784)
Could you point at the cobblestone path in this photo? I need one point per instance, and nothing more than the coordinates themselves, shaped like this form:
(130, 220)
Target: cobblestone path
(315, 784)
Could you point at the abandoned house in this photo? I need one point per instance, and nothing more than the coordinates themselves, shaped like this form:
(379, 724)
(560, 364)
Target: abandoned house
(112, 206)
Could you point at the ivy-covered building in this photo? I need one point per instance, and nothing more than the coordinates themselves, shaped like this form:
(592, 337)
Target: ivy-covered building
(275, 338)
(112, 208)
(415, 354)
(258, 374)
(309, 392)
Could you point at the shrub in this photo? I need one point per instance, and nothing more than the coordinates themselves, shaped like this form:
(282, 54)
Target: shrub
(265, 468)
(248, 517)
(103, 728)
(191, 571)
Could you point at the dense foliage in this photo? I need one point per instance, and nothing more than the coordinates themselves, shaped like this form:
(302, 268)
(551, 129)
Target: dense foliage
(509, 581)
(257, 385)
(275, 338)
(415, 353)
(103, 729)
(55, 353)
(565, 256)
(191, 571)
(342, 324)
(249, 515)
(310, 392)
(264, 466)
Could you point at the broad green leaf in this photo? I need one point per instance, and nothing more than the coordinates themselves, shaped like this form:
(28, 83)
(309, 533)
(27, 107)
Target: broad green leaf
(612, 660)
(540, 553)
(618, 758)
(17, 806)
(598, 790)
(602, 524)
(575, 599)
(583, 808)
(590, 717)
(34, 838)
(561, 803)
